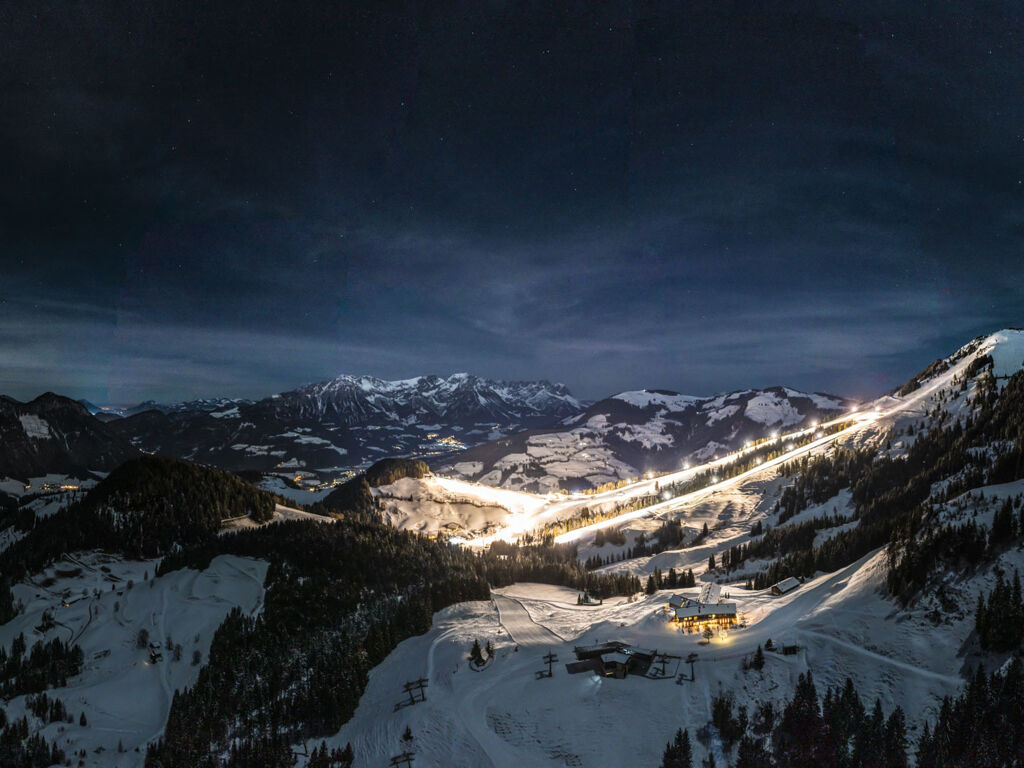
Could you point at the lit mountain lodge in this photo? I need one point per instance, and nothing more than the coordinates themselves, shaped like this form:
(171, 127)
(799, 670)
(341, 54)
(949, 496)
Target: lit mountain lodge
(707, 610)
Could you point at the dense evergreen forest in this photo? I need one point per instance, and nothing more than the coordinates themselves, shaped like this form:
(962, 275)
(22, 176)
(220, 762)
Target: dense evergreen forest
(20, 748)
(24, 671)
(980, 727)
(550, 563)
(46, 665)
(339, 598)
(835, 731)
(999, 617)
(144, 508)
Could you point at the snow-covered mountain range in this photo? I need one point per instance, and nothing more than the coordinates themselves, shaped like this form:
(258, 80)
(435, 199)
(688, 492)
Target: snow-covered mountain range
(461, 399)
(636, 432)
(348, 422)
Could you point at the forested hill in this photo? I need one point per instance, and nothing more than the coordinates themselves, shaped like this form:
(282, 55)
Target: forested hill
(144, 508)
(355, 495)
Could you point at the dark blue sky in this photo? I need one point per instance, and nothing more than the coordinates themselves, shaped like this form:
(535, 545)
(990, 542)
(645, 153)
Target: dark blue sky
(697, 196)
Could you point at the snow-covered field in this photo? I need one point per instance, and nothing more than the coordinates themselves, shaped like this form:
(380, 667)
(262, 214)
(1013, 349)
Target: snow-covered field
(434, 505)
(124, 696)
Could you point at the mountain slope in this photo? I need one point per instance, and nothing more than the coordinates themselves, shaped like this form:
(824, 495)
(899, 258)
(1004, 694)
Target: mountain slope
(347, 423)
(635, 432)
(54, 434)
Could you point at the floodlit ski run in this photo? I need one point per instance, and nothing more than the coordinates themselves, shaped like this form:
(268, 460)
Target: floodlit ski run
(535, 511)
(531, 511)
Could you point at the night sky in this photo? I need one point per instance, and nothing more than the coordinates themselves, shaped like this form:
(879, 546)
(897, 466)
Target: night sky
(236, 198)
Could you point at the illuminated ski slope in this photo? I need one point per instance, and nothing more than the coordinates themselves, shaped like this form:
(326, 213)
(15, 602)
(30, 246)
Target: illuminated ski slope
(861, 421)
(530, 511)
(527, 512)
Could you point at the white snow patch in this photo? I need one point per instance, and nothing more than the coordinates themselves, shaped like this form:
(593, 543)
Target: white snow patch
(644, 399)
(770, 409)
(35, 427)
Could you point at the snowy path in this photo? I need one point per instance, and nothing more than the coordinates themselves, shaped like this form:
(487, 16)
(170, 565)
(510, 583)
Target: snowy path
(520, 627)
(954, 680)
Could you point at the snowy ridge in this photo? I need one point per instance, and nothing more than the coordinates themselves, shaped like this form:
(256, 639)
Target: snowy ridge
(330, 429)
(460, 397)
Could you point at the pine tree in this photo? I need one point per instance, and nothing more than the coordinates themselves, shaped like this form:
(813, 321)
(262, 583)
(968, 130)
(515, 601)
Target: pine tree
(798, 734)
(752, 753)
(758, 661)
(895, 750)
(678, 753)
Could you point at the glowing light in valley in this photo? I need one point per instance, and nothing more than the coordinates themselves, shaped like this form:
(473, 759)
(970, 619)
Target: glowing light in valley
(530, 512)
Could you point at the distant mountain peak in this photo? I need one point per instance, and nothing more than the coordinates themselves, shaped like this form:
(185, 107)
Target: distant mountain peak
(460, 398)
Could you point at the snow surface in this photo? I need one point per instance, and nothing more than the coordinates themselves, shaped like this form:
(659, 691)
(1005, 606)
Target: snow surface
(1007, 350)
(35, 427)
(770, 409)
(644, 399)
(505, 716)
(124, 696)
